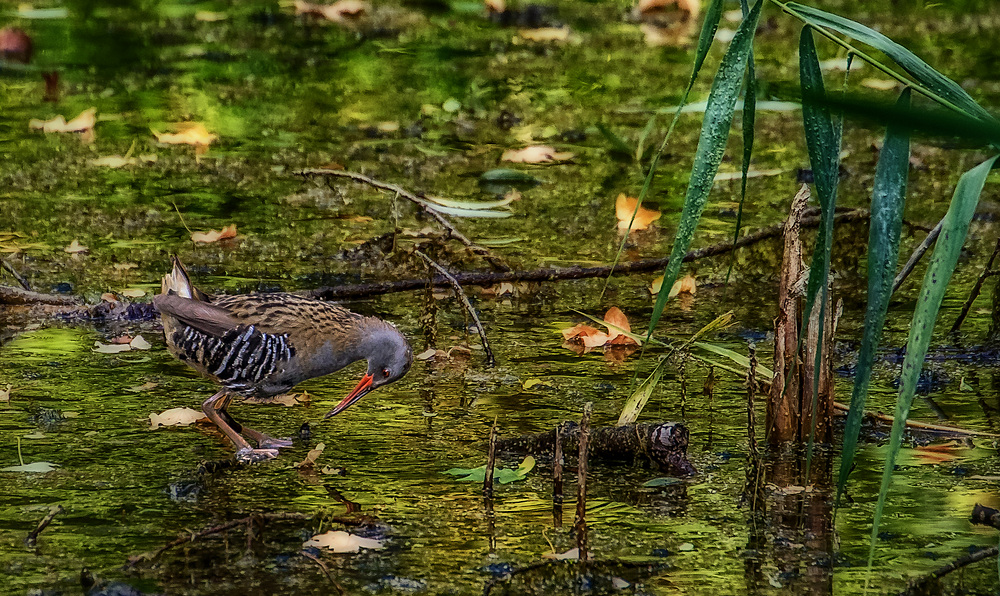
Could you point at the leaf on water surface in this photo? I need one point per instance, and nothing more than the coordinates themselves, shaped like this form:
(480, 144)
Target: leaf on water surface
(312, 456)
(38, 467)
(535, 154)
(572, 554)
(176, 417)
(664, 481)
(111, 348)
(340, 541)
(133, 293)
(210, 236)
(139, 343)
(625, 206)
(82, 123)
(501, 475)
(5, 395)
(545, 34)
(881, 84)
(126, 344)
(75, 247)
(685, 285)
(143, 388)
(191, 133)
(426, 354)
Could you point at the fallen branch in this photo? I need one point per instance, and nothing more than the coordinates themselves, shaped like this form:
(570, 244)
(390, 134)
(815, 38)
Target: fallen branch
(10, 269)
(324, 569)
(417, 200)
(478, 278)
(460, 294)
(663, 443)
(916, 256)
(32, 537)
(938, 428)
(927, 583)
(988, 272)
(11, 295)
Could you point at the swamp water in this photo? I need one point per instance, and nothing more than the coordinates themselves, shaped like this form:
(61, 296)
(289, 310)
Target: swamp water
(284, 93)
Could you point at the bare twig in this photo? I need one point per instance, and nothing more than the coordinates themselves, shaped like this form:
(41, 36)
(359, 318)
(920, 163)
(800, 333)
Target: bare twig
(11, 295)
(32, 537)
(10, 269)
(562, 273)
(581, 495)
(919, 425)
(921, 586)
(491, 461)
(988, 271)
(490, 360)
(326, 571)
(416, 199)
(918, 253)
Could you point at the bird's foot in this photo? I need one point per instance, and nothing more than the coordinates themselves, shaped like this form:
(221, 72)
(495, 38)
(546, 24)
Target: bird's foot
(252, 456)
(266, 442)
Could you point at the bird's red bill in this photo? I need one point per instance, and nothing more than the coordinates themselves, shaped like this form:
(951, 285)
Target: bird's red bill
(363, 387)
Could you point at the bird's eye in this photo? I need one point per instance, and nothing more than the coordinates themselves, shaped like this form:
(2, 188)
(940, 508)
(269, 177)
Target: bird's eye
(385, 372)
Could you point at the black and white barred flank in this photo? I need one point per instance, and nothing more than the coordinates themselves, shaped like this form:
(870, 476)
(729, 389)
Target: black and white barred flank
(241, 358)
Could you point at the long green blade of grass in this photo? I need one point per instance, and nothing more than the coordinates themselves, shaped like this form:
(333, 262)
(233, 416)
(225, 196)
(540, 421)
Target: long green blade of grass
(823, 144)
(888, 198)
(711, 147)
(938, 84)
(955, 226)
(749, 116)
(708, 28)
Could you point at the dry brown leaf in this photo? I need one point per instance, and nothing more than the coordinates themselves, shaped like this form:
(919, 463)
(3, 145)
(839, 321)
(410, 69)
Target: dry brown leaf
(191, 133)
(312, 456)
(650, 7)
(214, 235)
(143, 388)
(535, 154)
(341, 542)
(656, 36)
(109, 297)
(586, 336)
(133, 293)
(83, 123)
(75, 248)
(545, 34)
(685, 285)
(426, 354)
(495, 6)
(617, 318)
(625, 205)
(176, 417)
(5, 395)
(114, 161)
(338, 12)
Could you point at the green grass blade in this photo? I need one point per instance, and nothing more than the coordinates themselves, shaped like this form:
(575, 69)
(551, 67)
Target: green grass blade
(711, 147)
(922, 72)
(708, 28)
(955, 226)
(763, 372)
(637, 401)
(888, 198)
(823, 144)
(749, 116)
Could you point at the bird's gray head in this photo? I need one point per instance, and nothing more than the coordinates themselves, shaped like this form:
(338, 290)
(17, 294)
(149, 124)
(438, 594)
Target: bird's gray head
(389, 358)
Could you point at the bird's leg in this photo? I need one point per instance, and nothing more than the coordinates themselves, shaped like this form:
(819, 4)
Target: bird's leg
(263, 441)
(215, 408)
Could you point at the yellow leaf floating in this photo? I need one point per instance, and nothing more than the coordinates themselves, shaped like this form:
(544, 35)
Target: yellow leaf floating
(83, 123)
(176, 417)
(339, 541)
(191, 133)
(685, 285)
(625, 206)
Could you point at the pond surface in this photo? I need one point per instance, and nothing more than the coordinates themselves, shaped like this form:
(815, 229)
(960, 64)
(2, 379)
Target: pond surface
(428, 95)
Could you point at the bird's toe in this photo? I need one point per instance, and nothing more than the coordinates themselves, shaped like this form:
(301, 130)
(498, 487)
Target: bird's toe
(253, 456)
(272, 443)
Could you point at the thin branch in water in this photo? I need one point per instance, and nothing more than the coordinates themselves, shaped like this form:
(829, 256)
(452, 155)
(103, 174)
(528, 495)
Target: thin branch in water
(918, 253)
(326, 571)
(10, 269)
(419, 202)
(32, 537)
(490, 360)
(988, 271)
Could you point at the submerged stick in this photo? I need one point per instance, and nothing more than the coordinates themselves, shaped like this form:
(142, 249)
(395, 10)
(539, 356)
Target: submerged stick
(417, 200)
(918, 253)
(940, 428)
(490, 360)
(10, 269)
(581, 479)
(988, 272)
(32, 537)
(479, 278)
(491, 460)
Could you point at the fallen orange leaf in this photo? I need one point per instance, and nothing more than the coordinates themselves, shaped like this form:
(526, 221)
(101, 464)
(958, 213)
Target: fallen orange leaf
(617, 318)
(684, 285)
(651, 7)
(625, 206)
(495, 6)
(535, 154)
(191, 133)
(82, 123)
(338, 12)
(586, 335)
(214, 235)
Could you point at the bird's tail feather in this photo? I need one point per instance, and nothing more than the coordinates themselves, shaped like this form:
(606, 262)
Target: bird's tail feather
(178, 283)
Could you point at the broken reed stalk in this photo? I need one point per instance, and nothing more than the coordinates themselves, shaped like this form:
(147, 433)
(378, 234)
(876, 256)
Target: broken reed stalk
(491, 461)
(580, 526)
(460, 294)
(988, 272)
(20, 279)
(419, 202)
(479, 278)
(32, 537)
(557, 479)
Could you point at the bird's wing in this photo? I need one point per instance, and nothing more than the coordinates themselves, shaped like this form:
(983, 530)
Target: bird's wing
(203, 316)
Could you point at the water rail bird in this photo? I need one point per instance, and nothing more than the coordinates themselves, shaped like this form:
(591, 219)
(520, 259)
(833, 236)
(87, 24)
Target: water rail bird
(262, 345)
